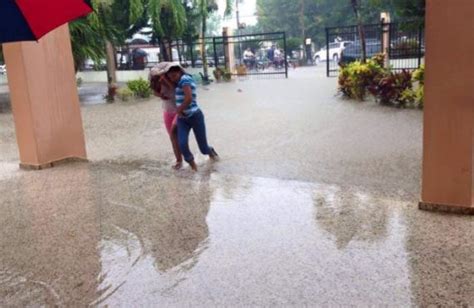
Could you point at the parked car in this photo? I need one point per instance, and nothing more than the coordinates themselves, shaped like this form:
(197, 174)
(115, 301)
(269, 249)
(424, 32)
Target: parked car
(354, 51)
(3, 69)
(335, 50)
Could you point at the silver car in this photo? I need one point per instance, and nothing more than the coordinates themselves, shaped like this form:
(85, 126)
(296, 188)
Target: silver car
(3, 69)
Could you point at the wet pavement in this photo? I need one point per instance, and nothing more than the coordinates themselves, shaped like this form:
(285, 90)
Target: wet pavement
(313, 203)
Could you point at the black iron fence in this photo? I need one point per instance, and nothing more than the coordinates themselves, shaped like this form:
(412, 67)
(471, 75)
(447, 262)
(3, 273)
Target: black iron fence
(402, 44)
(258, 54)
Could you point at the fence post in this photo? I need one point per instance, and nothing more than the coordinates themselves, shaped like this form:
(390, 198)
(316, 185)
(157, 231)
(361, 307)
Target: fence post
(327, 53)
(285, 55)
(216, 58)
(386, 30)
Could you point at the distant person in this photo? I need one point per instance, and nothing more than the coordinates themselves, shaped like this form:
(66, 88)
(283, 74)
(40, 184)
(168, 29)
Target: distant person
(271, 54)
(249, 58)
(278, 58)
(165, 90)
(190, 115)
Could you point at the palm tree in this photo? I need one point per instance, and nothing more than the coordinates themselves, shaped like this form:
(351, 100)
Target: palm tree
(113, 19)
(168, 19)
(86, 41)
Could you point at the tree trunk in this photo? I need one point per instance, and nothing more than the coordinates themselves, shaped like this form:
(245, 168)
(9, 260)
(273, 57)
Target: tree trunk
(110, 60)
(361, 30)
(164, 51)
(111, 71)
(203, 48)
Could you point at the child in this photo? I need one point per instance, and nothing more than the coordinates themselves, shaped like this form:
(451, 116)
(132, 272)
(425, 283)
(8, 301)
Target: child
(165, 90)
(190, 115)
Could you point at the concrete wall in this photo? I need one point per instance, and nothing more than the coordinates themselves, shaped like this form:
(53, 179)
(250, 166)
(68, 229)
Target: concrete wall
(45, 101)
(448, 167)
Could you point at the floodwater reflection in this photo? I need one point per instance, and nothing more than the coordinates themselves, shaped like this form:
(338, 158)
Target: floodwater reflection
(350, 215)
(138, 234)
(150, 224)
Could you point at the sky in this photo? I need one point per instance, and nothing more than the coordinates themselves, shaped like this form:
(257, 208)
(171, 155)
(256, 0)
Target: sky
(247, 10)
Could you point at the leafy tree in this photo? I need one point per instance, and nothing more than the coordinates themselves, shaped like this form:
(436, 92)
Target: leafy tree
(168, 19)
(205, 8)
(411, 9)
(86, 41)
(287, 16)
(355, 7)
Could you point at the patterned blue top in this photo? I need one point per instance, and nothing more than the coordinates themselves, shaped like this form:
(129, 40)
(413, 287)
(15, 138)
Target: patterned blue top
(187, 80)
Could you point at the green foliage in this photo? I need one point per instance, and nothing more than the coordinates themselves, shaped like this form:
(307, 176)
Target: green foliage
(419, 75)
(410, 9)
(402, 89)
(357, 79)
(125, 94)
(415, 96)
(140, 88)
(391, 88)
(316, 15)
(79, 82)
(86, 41)
(168, 18)
(293, 44)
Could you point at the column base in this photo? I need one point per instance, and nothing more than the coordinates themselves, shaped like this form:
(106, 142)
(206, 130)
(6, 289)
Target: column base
(52, 164)
(452, 209)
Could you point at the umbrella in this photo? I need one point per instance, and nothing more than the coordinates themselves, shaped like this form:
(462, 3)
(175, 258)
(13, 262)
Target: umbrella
(29, 20)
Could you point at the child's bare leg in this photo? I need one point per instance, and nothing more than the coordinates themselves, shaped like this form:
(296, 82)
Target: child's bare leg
(176, 150)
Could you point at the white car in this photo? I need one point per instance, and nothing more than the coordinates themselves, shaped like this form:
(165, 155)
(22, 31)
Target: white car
(3, 69)
(335, 51)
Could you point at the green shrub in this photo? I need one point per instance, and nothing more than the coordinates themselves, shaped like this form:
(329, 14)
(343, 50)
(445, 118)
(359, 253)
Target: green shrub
(140, 88)
(402, 89)
(417, 93)
(392, 89)
(125, 94)
(357, 79)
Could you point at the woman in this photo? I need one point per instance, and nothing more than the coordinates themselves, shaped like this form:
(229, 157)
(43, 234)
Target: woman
(190, 115)
(162, 88)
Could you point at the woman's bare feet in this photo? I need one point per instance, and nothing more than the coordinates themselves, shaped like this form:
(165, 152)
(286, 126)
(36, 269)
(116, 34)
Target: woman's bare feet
(213, 155)
(193, 165)
(178, 165)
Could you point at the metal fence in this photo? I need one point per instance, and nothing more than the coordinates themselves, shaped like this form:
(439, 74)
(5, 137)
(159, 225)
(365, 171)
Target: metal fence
(248, 55)
(402, 43)
(251, 55)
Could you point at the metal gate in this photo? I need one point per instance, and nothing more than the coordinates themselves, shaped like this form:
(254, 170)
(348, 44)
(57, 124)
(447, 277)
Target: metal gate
(403, 44)
(252, 55)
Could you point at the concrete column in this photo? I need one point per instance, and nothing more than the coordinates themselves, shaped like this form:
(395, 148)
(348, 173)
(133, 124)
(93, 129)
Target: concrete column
(228, 49)
(448, 160)
(386, 20)
(45, 101)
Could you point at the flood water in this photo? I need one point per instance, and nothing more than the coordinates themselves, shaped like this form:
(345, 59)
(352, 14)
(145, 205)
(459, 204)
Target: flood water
(314, 202)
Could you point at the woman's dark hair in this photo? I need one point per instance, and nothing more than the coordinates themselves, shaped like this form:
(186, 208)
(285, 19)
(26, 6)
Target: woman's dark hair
(175, 69)
(155, 84)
